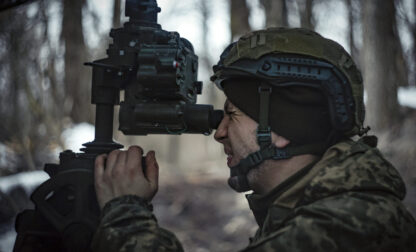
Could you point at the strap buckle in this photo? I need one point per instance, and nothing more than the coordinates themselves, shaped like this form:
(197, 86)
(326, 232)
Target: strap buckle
(264, 136)
(256, 158)
(280, 154)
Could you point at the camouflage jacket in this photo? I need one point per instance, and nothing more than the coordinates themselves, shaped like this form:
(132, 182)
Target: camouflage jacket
(350, 200)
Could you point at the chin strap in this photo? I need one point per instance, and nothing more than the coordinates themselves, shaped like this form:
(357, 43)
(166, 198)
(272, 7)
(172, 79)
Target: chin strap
(264, 139)
(254, 159)
(267, 150)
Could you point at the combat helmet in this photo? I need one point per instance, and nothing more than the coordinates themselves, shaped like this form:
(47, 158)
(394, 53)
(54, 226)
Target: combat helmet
(290, 57)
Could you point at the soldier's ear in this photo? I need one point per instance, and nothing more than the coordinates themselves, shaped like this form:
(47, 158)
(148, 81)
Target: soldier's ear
(279, 141)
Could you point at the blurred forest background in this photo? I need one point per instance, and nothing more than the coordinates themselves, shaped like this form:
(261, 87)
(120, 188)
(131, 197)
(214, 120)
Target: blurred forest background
(45, 96)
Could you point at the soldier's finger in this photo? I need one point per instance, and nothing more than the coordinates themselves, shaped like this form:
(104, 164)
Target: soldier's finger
(111, 161)
(99, 168)
(134, 160)
(120, 165)
(152, 169)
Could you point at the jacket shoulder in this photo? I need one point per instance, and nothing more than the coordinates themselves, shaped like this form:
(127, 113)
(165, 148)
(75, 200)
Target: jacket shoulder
(354, 166)
(352, 221)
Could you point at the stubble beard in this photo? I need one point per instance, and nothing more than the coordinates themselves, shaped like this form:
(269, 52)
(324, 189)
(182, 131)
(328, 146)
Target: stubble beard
(254, 175)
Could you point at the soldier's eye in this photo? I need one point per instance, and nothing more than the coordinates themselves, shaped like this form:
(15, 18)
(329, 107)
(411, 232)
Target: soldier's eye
(229, 112)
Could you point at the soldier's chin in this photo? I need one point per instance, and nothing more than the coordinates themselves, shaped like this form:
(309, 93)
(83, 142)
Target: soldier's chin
(235, 184)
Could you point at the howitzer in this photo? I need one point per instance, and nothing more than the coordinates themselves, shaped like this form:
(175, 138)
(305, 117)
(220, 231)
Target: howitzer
(157, 70)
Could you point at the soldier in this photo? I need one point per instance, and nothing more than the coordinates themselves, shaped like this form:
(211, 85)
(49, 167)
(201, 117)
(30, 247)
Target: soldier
(294, 101)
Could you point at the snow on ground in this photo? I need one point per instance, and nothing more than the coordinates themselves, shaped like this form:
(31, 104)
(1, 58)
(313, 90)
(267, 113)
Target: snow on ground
(28, 180)
(77, 135)
(7, 240)
(407, 97)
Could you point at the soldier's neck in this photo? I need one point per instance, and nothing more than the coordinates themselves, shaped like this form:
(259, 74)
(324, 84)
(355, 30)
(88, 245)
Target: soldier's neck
(273, 172)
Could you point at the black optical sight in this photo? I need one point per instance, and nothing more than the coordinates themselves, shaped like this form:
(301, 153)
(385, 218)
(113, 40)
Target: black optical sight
(157, 70)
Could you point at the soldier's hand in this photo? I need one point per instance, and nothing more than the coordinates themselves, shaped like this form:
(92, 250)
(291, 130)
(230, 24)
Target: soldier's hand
(120, 173)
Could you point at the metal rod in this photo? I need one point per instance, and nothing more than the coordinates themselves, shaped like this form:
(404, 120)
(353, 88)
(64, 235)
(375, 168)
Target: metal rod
(104, 117)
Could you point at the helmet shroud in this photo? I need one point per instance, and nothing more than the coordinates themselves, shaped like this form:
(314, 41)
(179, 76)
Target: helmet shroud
(295, 44)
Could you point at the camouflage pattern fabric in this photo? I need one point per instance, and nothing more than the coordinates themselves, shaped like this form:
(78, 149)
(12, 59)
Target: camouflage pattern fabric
(128, 224)
(350, 200)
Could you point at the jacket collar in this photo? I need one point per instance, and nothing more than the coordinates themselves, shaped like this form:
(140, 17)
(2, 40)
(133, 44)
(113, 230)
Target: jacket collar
(332, 173)
(284, 195)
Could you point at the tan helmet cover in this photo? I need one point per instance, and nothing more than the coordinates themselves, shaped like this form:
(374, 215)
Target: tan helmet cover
(303, 42)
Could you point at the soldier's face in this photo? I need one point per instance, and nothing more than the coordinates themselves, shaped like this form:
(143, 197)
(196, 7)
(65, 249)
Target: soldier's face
(237, 132)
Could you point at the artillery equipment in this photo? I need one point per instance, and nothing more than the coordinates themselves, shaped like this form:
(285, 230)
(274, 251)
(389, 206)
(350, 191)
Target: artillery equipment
(157, 70)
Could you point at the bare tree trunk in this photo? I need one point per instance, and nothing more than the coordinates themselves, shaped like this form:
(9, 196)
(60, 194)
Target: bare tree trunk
(352, 20)
(205, 11)
(276, 12)
(307, 19)
(206, 61)
(406, 63)
(239, 13)
(52, 112)
(414, 46)
(116, 13)
(15, 77)
(381, 75)
(400, 61)
(76, 85)
(18, 78)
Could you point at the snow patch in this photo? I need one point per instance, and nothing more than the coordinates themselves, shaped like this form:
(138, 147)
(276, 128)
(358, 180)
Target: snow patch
(27, 180)
(407, 97)
(7, 240)
(77, 135)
